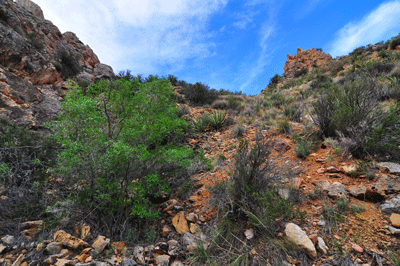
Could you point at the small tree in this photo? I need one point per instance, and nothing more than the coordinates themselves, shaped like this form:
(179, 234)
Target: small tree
(118, 145)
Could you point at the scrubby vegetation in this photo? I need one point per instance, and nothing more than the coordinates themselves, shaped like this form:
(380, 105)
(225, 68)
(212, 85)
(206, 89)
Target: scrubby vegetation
(121, 149)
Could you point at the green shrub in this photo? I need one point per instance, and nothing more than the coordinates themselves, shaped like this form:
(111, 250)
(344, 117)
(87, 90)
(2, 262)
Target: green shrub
(293, 112)
(211, 121)
(350, 111)
(25, 157)
(35, 42)
(217, 119)
(303, 148)
(199, 93)
(120, 148)
(67, 64)
(394, 42)
(220, 104)
(283, 125)
(233, 103)
(278, 99)
(173, 80)
(382, 53)
(201, 123)
(250, 195)
(182, 111)
(358, 51)
(238, 131)
(301, 72)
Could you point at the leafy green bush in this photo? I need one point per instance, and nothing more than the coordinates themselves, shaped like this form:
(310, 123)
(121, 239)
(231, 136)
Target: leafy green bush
(283, 125)
(238, 131)
(120, 147)
(220, 104)
(201, 123)
(199, 93)
(210, 121)
(350, 110)
(382, 53)
(300, 72)
(24, 159)
(303, 148)
(394, 42)
(251, 194)
(67, 64)
(233, 103)
(35, 42)
(293, 112)
(278, 99)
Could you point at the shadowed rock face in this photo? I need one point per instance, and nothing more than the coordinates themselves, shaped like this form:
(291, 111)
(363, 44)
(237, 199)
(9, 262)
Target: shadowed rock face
(35, 60)
(308, 59)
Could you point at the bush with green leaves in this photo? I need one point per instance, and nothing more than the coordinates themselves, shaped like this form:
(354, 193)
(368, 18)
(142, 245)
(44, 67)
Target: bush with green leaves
(210, 121)
(67, 64)
(250, 198)
(120, 147)
(395, 42)
(251, 194)
(350, 110)
(300, 72)
(25, 156)
(199, 93)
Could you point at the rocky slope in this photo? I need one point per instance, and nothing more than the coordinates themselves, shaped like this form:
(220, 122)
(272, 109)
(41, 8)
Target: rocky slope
(35, 61)
(352, 210)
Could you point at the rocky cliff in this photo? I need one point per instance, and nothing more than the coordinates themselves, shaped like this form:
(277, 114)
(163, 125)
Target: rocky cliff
(35, 61)
(308, 59)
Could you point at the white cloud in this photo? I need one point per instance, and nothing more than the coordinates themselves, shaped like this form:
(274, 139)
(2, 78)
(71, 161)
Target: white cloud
(383, 22)
(140, 35)
(306, 9)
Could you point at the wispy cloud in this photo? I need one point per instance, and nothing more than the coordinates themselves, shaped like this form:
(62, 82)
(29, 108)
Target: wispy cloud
(265, 33)
(383, 22)
(307, 8)
(140, 35)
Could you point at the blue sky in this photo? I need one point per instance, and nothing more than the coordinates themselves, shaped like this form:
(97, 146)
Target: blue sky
(235, 45)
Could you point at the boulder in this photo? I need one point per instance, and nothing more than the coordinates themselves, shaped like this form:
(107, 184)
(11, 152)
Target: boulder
(395, 219)
(69, 240)
(336, 190)
(322, 246)
(391, 206)
(2, 248)
(295, 234)
(392, 168)
(32, 7)
(162, 260)
(308, 59)
(393, 230)
(100, 243)
(103, 71)
(180, 223)
(54, 248)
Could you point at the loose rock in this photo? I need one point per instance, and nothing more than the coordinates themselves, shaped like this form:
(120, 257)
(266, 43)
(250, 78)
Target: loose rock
(393, 168)
(54, 248)
(180, 223)
(69, 240)
(357, 248)
(395, 219)
(322, 246)
(391, 206)
(162, 260)
(295, 234)
(100, 243)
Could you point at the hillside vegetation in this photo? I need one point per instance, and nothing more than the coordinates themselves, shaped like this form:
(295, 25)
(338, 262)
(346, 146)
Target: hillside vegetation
(171, 173)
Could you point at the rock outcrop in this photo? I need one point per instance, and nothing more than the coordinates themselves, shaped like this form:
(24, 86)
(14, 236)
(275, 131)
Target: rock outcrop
(35, 61)
(308, 59)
